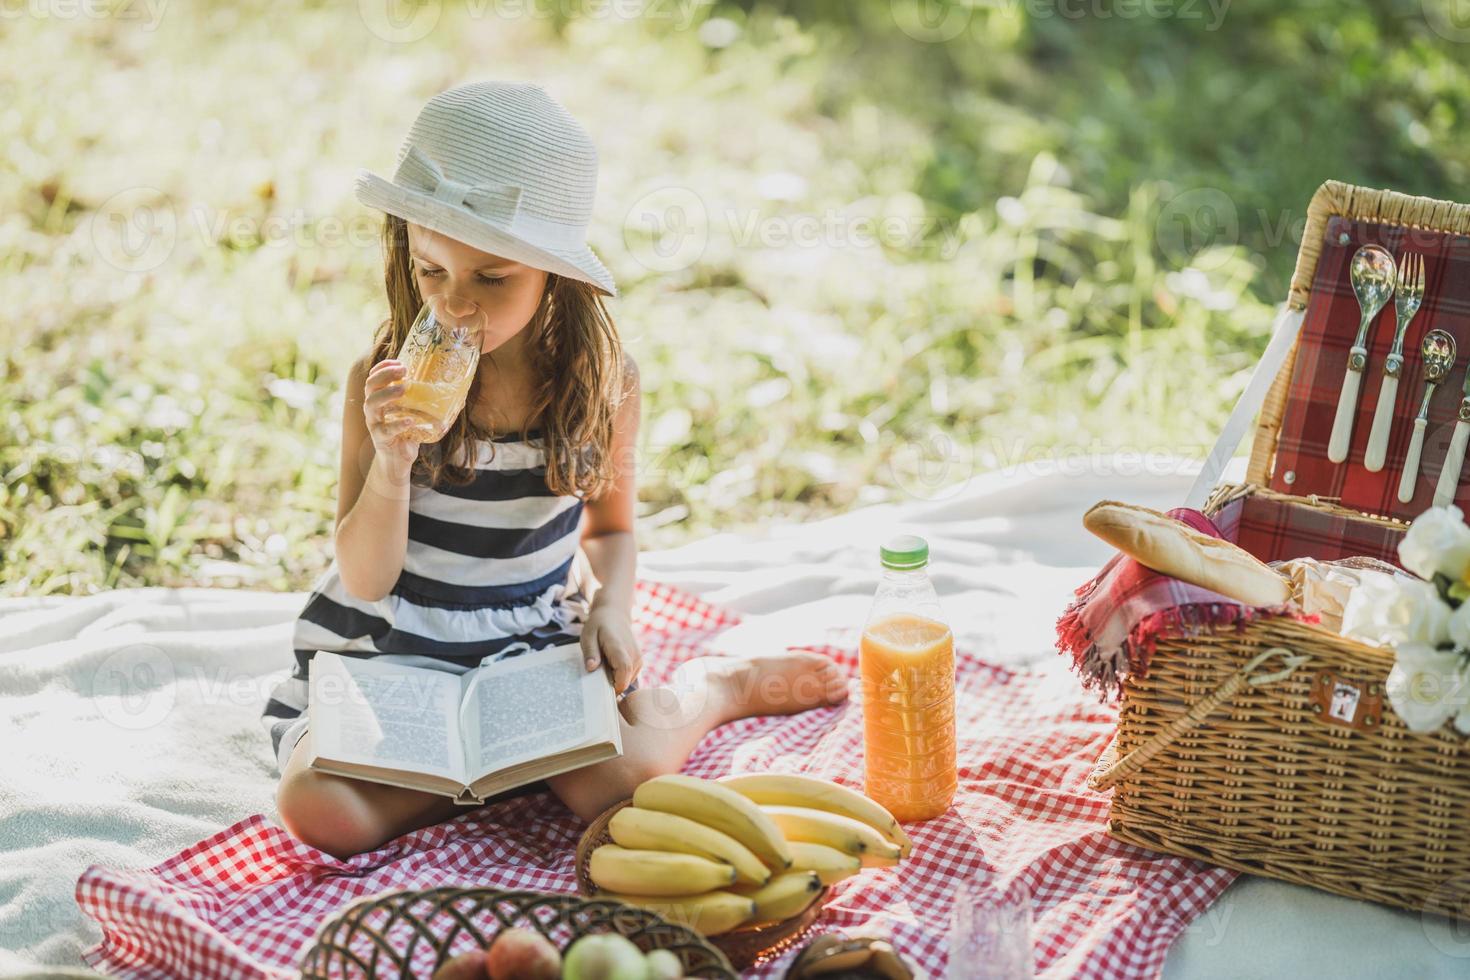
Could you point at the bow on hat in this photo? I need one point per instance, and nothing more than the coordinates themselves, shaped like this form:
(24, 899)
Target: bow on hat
(498, 202)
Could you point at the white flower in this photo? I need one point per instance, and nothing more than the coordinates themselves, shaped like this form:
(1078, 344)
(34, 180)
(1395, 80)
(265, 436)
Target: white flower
(1437, 541)
(1427, 687)
(1460, 626)
(1388, 610)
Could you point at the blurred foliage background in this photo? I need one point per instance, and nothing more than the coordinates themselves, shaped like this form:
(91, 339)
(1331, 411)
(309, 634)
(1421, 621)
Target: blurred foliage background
(865, 248)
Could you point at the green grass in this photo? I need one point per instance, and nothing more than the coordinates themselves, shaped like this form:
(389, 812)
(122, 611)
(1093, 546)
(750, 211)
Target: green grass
(1045, 235)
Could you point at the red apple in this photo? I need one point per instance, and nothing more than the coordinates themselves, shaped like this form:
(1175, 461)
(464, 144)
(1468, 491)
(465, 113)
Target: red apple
(523, 954)
(465, 966)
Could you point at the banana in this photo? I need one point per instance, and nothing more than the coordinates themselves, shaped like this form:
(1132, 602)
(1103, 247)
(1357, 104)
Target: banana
(622, 869)
(794, 789)
(869, 859)
(832, 829)
(830, 864)
(653, 830)
(786, 895)
(710, 913)
(720, 807)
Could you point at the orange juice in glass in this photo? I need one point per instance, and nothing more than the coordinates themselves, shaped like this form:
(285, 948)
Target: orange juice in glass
(906, 660)
(440, 356)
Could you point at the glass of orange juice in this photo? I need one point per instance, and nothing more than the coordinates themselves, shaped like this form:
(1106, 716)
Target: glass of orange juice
(440, 356)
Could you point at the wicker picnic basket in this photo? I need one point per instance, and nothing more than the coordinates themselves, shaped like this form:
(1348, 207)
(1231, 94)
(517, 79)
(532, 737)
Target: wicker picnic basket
(412, 933)
(1233, 747)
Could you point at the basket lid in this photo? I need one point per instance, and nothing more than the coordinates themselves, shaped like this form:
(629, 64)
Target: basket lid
(1289, 450)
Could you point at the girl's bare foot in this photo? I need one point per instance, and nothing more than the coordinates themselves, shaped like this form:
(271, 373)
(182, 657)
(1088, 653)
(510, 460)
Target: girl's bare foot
(772, 684)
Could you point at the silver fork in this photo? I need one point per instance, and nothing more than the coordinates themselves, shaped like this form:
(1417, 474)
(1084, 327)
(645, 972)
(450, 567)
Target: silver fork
(1407, 299)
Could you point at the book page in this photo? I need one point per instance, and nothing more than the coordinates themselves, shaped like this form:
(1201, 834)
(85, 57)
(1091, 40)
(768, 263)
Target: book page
(386, 715)
(533, 706)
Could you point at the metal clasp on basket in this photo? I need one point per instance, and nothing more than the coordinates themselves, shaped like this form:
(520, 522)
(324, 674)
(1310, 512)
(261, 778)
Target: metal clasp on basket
(1348, 704)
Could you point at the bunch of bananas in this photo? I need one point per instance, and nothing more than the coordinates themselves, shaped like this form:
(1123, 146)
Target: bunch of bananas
(742, 851)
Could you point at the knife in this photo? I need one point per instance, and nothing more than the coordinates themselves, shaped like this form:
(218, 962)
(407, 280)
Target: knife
(1454, 459)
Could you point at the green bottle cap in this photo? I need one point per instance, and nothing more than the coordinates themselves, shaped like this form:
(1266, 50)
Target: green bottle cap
(904, 551)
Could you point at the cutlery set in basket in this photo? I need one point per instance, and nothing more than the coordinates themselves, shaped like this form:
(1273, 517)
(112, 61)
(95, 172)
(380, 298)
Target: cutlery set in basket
(1375, 278)
(1266, 742)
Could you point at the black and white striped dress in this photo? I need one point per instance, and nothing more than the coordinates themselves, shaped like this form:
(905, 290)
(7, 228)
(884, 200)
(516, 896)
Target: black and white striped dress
(486, 576)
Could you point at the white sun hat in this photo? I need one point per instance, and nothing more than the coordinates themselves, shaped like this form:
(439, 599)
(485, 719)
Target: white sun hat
(502, 167)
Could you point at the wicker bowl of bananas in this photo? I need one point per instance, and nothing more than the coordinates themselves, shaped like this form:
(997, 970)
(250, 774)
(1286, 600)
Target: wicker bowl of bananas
(746, 861)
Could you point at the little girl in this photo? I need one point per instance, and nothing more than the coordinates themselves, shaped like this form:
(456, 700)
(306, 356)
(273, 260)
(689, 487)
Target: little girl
(514, 531)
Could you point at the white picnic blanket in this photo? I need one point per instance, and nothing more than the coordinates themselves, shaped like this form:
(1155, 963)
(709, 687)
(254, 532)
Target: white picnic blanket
(130, 719)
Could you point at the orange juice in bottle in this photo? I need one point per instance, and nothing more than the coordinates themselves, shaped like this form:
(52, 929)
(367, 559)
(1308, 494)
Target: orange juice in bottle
(906, 660)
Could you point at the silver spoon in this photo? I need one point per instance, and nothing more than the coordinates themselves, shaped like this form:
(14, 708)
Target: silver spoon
(1439, 356)
(1372, 273)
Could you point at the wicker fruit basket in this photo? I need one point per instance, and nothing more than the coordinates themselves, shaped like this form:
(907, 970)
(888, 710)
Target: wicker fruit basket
(413, 933)
(745, 946)
(1231, 750)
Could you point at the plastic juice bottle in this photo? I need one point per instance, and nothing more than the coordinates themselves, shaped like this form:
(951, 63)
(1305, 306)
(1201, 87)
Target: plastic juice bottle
(906, 659)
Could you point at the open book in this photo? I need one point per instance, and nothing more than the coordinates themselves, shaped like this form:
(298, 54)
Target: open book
(469, 736)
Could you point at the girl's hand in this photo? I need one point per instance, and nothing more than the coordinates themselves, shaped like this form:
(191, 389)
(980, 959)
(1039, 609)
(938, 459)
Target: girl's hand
(383, 388)
(607, 636)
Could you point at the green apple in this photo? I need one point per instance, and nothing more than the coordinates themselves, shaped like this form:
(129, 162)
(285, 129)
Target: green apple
(604, 956)
(663, 964)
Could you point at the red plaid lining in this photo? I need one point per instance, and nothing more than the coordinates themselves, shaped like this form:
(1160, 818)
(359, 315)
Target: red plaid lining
(1275, 530)
(247, 902)
(1328, 330)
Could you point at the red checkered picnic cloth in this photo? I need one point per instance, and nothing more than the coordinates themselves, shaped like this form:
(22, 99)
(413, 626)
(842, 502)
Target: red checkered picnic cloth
(247, 902)
(1328, 330)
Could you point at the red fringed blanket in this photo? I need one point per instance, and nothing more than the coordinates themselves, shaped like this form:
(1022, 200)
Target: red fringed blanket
(1111, 627)
(247, 902)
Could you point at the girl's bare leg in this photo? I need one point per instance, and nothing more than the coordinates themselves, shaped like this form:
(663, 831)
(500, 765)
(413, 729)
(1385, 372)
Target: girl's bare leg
(661, 726)
(345, 816)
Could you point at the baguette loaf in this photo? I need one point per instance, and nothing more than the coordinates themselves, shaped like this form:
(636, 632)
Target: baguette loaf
(1172, 548)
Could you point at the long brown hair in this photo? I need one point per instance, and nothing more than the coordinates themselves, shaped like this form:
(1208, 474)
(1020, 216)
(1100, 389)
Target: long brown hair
(578, 360)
